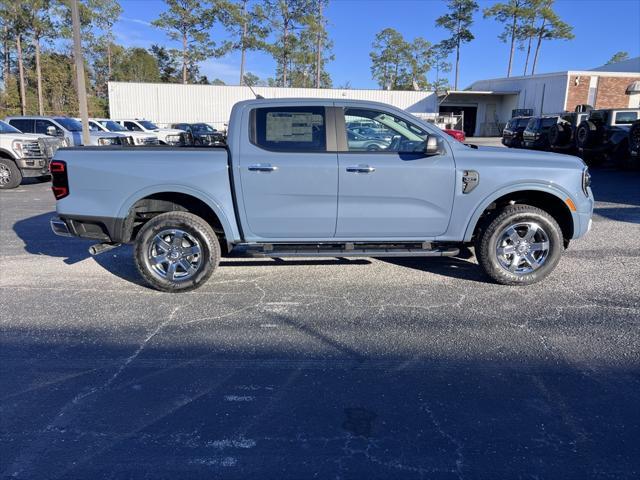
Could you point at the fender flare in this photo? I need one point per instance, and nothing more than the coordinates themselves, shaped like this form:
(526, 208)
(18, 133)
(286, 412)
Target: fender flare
(230, 231)
(554, 190)
(8, 154)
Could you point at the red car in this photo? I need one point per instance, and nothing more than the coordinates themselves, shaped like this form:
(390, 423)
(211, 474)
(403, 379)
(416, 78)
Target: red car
(457, 134)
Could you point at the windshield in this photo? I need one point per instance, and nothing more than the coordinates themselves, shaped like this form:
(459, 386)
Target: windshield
(112, 126)
(69, 123)
(148, 125)
(202, 127)
(6, 128)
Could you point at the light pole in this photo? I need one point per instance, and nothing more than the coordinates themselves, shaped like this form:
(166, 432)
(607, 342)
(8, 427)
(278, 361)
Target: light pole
(80, 83)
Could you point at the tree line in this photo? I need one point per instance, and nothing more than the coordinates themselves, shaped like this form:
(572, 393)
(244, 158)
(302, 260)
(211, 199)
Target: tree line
(38, 69)
(41, 80)
(399, 64)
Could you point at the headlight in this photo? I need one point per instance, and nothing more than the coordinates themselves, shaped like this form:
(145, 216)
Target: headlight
(109, 141)
(586, 181)
(173, 138)
(139, 140)
(18, 147)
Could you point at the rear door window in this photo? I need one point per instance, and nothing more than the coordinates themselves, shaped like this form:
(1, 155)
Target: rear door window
(626, 118)
(25, 125)
(290, 129)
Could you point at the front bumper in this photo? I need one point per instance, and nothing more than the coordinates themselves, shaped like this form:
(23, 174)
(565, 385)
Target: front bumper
(33, 167)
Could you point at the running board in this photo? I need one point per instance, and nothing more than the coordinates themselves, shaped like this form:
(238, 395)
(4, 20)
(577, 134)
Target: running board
(352, 252)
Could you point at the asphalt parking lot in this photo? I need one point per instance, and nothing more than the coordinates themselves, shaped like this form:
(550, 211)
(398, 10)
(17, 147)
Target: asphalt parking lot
(341, 369)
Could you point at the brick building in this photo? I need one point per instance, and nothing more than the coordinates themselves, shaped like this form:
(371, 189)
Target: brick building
(492, 101)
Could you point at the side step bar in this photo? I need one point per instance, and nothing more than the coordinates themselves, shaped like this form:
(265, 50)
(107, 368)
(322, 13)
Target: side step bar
(352, 252)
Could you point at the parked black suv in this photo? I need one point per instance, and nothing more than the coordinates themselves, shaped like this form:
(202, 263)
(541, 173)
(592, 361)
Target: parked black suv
(634, 143)
(562, 135)
(202, 134)
(535, 136)
(604, 135)
(512, 133)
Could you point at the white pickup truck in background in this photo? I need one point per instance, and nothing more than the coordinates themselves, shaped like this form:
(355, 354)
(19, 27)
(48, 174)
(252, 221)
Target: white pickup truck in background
(166, 136)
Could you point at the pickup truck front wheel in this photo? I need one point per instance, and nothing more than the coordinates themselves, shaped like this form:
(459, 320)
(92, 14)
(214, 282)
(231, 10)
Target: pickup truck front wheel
(520, 246)
(176, 252)
(10, 176)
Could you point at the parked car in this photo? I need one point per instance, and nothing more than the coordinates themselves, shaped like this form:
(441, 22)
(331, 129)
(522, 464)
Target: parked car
(137, 138)
(201, 134)
(457, 134)
(65, 128)
(535, 136)
(166, 136)
(562, 135)
(370, 132)
(291, 186)
(604, 135)
(512, 133)
(360, 142)
(23, 155)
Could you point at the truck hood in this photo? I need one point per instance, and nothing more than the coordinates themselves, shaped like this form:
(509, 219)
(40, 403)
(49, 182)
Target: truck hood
(534, 157)
(106, 134)
(22, 136)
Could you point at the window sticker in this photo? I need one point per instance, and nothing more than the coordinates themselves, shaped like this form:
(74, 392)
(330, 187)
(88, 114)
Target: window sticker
(291, 126)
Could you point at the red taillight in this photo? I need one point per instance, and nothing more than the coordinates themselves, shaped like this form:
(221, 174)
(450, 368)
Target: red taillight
(57, 167)
(59, 179)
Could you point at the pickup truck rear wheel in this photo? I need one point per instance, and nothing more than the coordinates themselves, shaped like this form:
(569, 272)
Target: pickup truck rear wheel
(520, 246)
(176, 251)
(10, 176)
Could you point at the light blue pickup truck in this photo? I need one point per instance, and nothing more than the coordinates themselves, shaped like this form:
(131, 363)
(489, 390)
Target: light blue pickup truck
(290, 184)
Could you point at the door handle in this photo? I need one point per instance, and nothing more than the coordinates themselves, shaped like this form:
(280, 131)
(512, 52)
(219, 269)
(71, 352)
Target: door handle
(262, 168)
(361, 169)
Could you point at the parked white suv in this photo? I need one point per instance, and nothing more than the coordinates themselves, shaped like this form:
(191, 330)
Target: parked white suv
(107, 125)
(23, 155)
(166, 136)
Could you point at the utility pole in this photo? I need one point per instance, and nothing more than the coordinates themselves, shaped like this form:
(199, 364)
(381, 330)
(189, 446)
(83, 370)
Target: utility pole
(80, 83)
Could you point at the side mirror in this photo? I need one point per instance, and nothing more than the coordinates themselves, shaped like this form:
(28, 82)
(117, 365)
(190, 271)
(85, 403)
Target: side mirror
(52, 131)
(431, 146)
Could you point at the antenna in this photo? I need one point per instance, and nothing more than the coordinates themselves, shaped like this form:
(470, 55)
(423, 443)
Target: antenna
(258, 97)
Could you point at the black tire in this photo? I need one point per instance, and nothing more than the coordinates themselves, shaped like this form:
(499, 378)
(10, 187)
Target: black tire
(586, 134)
(489, 238)
(196, 232)
(10, 176)
(559, 135)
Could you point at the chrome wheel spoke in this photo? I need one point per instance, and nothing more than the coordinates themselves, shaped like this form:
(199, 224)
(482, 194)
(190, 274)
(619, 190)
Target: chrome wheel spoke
(192, 250)
(171, 270)
(530, 259)
(513, 235)
(185, 264)
(159, 259)
(506, 250)
(178, 237)
(540, 247)
(515, 262)
(532, 229)
(160, 242)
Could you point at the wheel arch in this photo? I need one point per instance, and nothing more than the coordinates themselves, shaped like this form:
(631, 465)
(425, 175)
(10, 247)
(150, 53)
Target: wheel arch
(4, 153)
(144, 205)
(551, 200)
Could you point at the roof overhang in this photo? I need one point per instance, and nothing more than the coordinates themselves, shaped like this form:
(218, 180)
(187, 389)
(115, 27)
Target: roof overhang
(634, 87)
(461, 95)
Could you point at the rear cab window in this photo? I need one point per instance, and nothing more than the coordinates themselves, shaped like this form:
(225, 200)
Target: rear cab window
(289, 129)
(625, 118)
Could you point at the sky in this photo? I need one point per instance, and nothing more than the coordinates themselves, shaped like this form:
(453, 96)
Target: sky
(601, 28)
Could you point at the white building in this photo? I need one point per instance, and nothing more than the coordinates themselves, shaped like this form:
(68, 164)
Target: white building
(167, 103)
(483, 108)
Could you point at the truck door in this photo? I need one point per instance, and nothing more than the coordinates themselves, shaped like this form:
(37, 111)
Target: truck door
(388, 187)
(288, 174)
